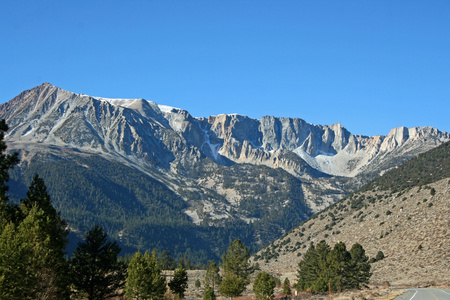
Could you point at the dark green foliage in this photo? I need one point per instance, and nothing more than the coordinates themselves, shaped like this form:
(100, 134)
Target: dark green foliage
(197, 283)
(379, 256)
(179, 283)
(96, 273)
(55, 229)
(432, 192)
(287, 287)
(144, 279)
(236, 270)
(7, 162)
(341, 268)
(30, 268)
(424, 169)
(264, 286)
(209, 294)
(361, 266)
(166, 261)
(309, 269)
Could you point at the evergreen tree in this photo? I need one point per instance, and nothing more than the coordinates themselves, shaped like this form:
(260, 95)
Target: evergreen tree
(212, 277)
(339, 263)
(361, 266)
(179, 284)
(308, 269)
(264, 286)
(96, 273)
(323, 272)
(343, 269)
(144, 279)
(17, 259)
(287, 287)
(236, 269)
(198, 283)
(232, 285)
(209, 294)
(7, 162)
(56, 230)
(26, 257)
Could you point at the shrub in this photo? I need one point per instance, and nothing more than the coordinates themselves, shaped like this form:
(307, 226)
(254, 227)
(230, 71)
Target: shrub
(380, 255)
(432, 192)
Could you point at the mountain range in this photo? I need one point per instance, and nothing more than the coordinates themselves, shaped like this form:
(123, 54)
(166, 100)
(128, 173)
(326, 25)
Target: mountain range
(155, 176)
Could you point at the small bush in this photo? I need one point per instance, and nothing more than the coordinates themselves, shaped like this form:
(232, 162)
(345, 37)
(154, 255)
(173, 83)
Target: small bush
(379, 256)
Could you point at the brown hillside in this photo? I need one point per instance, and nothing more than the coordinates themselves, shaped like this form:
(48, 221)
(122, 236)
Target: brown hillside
(411, 228)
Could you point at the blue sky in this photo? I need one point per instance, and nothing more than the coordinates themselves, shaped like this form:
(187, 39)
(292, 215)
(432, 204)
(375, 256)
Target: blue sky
(370, 65)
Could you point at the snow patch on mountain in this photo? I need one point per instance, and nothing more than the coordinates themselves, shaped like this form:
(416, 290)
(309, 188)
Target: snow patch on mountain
(119, 102)
(166, 108)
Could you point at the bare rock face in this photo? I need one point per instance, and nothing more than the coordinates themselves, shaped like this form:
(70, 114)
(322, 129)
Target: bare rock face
(171, 143)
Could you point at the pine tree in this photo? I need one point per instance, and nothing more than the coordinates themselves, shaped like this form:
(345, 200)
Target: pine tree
(7, 162)
(236, 270)
(264, 286)
(56, 230)
(209, 294)
(198, 284)
(361, 266)
(287, 287)
(144, 279)
(232, 285)
(96, 273)
(17, 256)
(340, 266)
(212, 277)
(26, 257)
(308, 269)
(179, 284)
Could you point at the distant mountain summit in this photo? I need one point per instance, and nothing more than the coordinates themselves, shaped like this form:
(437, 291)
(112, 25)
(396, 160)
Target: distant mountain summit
(225, 169)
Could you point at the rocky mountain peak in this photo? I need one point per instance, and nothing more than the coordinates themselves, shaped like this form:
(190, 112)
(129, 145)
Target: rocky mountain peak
(48, 113)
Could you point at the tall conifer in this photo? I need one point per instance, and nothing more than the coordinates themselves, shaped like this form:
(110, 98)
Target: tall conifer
(96, 273)
(144, 279)
(236, 269)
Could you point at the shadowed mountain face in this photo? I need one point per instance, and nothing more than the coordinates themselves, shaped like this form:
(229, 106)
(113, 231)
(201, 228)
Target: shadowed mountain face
(260, 176)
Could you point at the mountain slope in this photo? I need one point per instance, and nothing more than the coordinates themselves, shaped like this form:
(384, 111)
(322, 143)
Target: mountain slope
(404, 214)
(224, 177)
